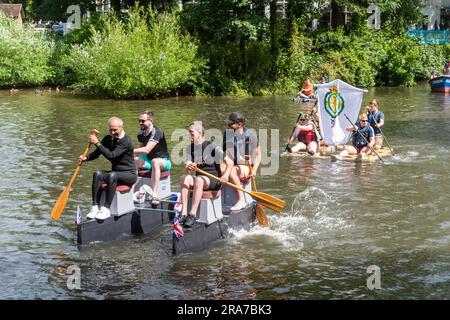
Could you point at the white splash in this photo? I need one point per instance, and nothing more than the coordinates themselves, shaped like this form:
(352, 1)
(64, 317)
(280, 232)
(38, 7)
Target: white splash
(314, 215)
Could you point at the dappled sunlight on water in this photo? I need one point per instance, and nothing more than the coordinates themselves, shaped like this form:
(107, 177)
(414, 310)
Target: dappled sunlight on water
(340, 217)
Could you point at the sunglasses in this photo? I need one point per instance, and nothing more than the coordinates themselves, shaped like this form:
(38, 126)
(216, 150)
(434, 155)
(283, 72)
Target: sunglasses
(142, 121)
(303, 119)
(364, 120)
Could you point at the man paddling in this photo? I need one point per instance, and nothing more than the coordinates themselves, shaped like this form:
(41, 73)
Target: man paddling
(207, 156)
(241, 146)
(152, 153)
(117, 147)
(362, 139)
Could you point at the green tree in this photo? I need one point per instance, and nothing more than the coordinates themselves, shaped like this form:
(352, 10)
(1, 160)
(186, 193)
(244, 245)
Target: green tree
(144, 56)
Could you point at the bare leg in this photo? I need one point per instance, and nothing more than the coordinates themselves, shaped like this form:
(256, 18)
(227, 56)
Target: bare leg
(186, 183)
(157, 165)
(312, 147)
(200, 183)
(378, 142)
(300, 146)
(234, 178)
(242, 173)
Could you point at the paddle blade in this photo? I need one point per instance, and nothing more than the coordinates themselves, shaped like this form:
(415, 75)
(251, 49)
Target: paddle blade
(269, 201)
(60, 204)
(261, 216)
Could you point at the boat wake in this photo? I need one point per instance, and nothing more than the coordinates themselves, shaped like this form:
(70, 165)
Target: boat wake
(314, 216)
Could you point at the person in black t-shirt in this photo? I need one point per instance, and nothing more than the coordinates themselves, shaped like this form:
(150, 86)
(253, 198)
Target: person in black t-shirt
(241, 145)
(117, 147)
(207, 156)
(152, 152)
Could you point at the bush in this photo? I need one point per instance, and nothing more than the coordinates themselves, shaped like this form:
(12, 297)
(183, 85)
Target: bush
(25, 55)
(144, 56)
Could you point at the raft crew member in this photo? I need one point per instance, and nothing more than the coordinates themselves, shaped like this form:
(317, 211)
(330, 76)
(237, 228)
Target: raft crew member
(242, 147)
(117, 147)
(447, 68)
(376, 122)
(360, 145)
(152, 152)
(307, 91)
(207, 156)
(434, 74)
(306, 133)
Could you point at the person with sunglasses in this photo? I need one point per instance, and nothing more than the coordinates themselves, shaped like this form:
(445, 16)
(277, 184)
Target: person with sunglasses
(241, 146)
(306, 134)
(362, 139)
(152, 154)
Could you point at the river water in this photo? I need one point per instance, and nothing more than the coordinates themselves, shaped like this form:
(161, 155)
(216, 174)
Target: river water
(340, 217)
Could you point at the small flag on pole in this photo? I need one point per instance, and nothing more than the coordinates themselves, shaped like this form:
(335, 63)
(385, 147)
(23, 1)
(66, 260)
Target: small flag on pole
(78, 216)
(177, 231)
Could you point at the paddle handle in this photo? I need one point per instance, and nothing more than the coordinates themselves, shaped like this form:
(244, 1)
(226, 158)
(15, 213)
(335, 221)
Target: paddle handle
(218, 179)
(293, 129)
(96, 132)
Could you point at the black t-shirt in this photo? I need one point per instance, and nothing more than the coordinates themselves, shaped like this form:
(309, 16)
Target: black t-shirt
(118, 151)
(208, 156)
(237, 146)
(155, 135)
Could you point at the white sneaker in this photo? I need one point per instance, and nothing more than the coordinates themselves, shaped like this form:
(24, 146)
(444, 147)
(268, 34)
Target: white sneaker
(103, 214)
(93, 213)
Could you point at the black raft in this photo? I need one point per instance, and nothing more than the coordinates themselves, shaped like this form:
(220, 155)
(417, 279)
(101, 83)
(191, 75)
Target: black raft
(142, 220)
(202, 235)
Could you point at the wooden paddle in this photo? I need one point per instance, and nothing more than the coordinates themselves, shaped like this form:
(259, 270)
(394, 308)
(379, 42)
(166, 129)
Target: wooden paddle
(260, 212)
(60, 204)
(266, 199)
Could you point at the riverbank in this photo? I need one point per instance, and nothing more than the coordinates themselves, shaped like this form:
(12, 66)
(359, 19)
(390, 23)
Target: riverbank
(152, 55)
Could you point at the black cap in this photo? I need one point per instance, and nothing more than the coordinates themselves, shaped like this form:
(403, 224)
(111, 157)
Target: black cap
(236, 117)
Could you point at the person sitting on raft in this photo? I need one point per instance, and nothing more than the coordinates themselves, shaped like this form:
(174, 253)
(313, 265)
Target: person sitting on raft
(362, 141)
(307, 91)
(117, 147)
(306, 133)
(376, 121)
(152, 153)
(205, 155)
(242, 147)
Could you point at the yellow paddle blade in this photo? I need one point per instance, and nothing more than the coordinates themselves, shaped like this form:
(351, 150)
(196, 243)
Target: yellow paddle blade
(269, 201)
(261, 216)
(60, 204)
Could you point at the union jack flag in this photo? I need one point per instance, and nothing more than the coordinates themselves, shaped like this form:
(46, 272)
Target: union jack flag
(78, 216)
(177, 231)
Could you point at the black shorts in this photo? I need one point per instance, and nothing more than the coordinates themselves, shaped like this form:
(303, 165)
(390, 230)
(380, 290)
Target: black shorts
(213, 184)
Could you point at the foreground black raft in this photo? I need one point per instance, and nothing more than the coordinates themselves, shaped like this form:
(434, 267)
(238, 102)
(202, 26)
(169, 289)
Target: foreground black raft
(144, 219)
(202, 235)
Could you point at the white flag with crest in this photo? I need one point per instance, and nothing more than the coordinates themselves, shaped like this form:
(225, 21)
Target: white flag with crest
(337, 99)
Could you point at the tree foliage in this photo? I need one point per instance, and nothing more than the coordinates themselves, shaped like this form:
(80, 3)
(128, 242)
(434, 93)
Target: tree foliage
(144, 56)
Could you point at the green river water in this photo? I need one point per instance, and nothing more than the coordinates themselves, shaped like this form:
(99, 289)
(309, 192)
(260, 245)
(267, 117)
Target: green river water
(340, 217)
